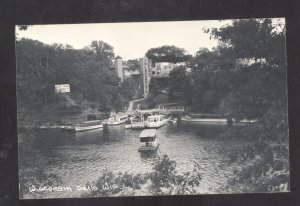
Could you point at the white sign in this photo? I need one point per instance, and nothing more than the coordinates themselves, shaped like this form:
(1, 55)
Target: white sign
(62, 88)
(146, 82)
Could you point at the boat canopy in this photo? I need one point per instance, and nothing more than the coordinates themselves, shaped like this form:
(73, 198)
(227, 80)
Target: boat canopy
(148, 133)
(155, 118)
(90, 123)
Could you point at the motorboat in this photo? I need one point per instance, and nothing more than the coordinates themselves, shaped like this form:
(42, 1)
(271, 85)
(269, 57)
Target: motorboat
(156, 121)
(89, 125)
(148, 140)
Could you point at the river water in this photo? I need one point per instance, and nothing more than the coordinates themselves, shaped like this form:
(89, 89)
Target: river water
(78, 158)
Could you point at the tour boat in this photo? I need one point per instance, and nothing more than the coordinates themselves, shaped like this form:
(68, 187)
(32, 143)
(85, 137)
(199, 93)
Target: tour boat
(89, 125)
(156, 121)
(117, 119)
(148, 140)
(205, 118)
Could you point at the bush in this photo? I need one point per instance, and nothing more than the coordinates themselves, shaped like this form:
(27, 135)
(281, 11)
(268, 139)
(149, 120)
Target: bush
(162, 180)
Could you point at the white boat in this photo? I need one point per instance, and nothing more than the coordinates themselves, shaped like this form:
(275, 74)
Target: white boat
(205, 118)
(116, 119)
(243, 121)
(89, 125)
(156, 121)
(148, 140)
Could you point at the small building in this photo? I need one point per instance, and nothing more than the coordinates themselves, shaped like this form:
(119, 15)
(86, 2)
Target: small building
(130, 72)
(118, 65)
(163, 69)
(246, 62)
(165, 97)
(124, 70)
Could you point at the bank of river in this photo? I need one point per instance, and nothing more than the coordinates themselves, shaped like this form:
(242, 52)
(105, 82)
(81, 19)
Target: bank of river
(78, 158)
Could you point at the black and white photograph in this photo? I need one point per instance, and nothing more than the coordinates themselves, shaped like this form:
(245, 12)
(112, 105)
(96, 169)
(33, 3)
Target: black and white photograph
(152, 108)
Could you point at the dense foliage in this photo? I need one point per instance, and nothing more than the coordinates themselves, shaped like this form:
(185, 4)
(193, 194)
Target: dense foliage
(88, 71)
(245, 77)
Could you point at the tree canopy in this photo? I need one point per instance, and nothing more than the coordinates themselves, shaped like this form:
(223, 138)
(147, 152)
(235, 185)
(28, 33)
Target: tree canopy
(41, 66)
(168, 54)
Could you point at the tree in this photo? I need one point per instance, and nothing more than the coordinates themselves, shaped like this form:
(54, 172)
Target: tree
(258, 90)
(128, 89)
(258, 86)
(41, 66)
(177, 79)
(167, 54)
(103, 52)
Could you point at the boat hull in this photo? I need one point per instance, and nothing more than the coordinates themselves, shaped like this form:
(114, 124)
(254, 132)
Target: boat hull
(156, 124)
(210, 120)
(140, 125)
(148, 148)
(86, 128)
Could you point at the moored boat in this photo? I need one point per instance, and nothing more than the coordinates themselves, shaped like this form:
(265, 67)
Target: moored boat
(156, 121)
(205, 118)
(243, 121)
(89, 125)
(148, 140)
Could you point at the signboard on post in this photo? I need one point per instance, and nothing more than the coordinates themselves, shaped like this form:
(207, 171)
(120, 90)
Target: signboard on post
(62, 88)
(146, 80)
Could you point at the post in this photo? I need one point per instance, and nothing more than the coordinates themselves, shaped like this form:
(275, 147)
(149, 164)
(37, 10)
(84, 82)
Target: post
(105, 129)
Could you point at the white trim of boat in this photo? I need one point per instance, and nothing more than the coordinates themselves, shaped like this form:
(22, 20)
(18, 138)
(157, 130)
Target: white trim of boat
(56, 127)
(204, 118)
(89, 125)
(148, 140)
(156, 121)
(247, 121)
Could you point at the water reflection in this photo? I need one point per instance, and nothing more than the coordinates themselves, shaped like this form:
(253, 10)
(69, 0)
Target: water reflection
(115, 133)
(89, 137)
(149, 155)
(204, 130)
(49, 138)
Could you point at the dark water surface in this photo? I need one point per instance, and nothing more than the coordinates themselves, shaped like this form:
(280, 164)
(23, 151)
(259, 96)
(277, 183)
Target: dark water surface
(81, 157)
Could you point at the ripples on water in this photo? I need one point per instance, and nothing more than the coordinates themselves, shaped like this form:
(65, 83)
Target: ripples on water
(79, 158)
